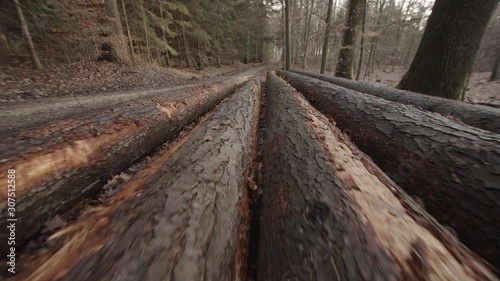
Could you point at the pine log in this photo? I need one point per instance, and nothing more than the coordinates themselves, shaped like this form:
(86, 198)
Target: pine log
(184, 217)
(66, 160)
(479, 116)
(453, 168)
(331, 214)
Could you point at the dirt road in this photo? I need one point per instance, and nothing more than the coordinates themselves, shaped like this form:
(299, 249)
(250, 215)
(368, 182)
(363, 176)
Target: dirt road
(30, 113)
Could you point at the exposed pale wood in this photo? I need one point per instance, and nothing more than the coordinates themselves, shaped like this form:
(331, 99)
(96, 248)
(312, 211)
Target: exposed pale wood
(184, 217)
(452, 168)
(330, 214)
(65, 160)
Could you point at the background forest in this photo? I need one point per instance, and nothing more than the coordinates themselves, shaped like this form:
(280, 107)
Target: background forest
(201, 33)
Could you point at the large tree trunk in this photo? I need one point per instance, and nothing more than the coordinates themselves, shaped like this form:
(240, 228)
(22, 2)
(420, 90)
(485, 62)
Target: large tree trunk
(326, 39)
(27, 36)
(345, 64)
(495, 74)
(184, 217)
(453, 168)
(66, 160)
(483, 117)
(446, 53)
(331, 214)
(120, 47)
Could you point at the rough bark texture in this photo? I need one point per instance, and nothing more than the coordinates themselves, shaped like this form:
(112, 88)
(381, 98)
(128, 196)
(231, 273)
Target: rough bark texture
(184, 217)
(446, 53)
(345, 64)
(66, 160)
(454, 169)
(483, 117)
(331, 214)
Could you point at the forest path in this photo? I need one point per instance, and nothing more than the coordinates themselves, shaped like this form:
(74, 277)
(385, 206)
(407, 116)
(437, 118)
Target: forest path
(30, 113)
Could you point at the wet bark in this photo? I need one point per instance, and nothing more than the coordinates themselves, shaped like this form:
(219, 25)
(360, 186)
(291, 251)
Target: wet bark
(331, 214)
(452, 168)
(184, 217)
(478, 116)
(63, 161)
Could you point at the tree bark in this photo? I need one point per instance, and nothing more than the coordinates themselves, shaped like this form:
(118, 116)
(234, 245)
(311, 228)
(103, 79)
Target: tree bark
(288, 40)
(324, 53)
(362, 43)
(83, 152)
(345, 64)
(27, 36)
(446, 53)
(331, 214)
(431, 157)
(495, 74)
(478, 116)
(120, 47)
(129, 36)
(185, 217)
(145, 27)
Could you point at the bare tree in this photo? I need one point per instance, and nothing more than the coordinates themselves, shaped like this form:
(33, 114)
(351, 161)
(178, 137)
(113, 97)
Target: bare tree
(26, 33)
(345, 63)
(324, 54)
(288, 46)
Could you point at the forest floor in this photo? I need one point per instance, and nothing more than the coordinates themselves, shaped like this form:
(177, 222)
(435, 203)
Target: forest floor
(479, 90)
(81, 79)
(60, 94)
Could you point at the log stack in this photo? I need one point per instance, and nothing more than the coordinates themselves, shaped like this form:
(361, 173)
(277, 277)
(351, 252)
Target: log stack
(66, 160)
(484, 117)
(184, 217)
(453, 169)
(330, 214)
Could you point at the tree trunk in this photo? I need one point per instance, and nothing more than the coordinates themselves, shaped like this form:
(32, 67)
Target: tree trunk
(7, 52)
(431, 157)
(478, 116)
(184, 217)
(27, 36)
(288, 40)
(362, 43)
(120, 46)
(331, 214)
(324, 53)
(345, 64)
(145, 27)
(83, 152)
(307, 32)
(495, 74)
(446, 53)
(129, 37)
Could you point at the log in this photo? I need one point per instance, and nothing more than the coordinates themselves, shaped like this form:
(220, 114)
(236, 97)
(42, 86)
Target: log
(184, 217)
(331, 214)
(483, 117)
(453, 168)
(65, 160)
